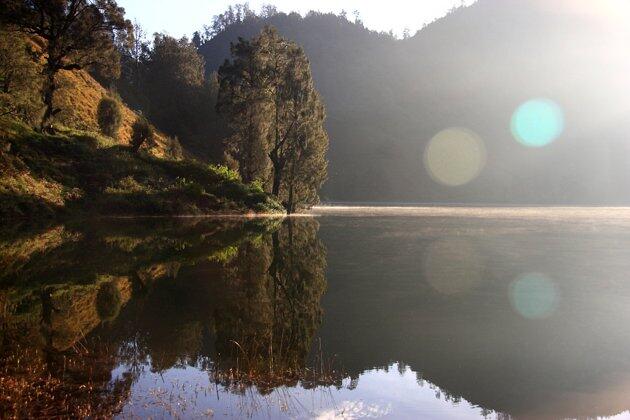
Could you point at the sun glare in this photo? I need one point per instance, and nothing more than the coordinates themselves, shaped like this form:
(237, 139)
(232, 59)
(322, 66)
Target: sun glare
(599, 9)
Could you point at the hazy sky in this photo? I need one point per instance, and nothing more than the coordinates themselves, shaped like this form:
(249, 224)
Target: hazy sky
(183, 17)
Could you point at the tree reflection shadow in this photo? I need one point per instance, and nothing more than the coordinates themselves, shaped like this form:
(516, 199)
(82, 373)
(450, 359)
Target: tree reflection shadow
(240, 299)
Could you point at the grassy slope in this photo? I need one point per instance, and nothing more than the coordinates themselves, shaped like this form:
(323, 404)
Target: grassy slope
(78, 98)
(81, 171)
(77, 172)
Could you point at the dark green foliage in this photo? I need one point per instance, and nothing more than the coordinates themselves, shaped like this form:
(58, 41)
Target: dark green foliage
(108, 301)
(173, 80)
(243, 101)
(76, 173)
(109, 116)
(142, 133)
(168, 82)
(277, 118)
(77, 34)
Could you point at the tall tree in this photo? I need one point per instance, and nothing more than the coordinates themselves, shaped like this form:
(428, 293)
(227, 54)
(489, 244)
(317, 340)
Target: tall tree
(133, 59)
(298, 141)
(181, 99)
(268, 96)
(243, 99)
(78, 34)
(174, 72)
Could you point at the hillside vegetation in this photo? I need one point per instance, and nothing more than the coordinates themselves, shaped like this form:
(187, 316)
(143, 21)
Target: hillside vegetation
(78, 98)
(82, 173)
(73, 169)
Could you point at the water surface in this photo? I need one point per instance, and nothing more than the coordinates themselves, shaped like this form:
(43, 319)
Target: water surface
(354, 313)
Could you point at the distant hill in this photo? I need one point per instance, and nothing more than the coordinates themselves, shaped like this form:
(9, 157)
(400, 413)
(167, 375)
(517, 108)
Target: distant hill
(472, 69)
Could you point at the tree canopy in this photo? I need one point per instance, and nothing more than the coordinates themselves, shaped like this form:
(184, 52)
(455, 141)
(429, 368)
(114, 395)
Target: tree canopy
(276, 116)
(77, 33)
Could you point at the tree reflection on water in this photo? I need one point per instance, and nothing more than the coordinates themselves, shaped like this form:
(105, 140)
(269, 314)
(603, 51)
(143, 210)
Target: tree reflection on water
(240, 299)
(365, 316)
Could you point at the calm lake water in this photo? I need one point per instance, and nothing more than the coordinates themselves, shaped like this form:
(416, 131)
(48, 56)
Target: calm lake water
(352, 313)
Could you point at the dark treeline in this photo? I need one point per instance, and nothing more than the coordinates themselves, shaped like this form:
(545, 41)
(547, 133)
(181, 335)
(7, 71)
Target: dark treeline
(166, 80)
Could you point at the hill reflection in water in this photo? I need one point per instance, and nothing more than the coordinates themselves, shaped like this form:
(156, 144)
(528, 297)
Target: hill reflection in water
(396, 315)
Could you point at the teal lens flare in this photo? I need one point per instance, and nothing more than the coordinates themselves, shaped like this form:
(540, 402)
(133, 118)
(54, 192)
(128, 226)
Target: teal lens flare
(537, 123)
(534, 296)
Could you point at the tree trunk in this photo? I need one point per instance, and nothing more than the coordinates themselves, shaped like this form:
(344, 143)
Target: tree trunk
(48, 95)
(277, 170)
(277, 177)
(290, 204)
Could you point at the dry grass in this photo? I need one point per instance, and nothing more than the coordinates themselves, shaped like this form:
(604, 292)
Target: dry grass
(273, 370)
(79, 98)
(32, 385)
(17, 179)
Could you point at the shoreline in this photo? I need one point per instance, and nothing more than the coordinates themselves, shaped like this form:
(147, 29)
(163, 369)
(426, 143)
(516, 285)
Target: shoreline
(555, 213)
(607, 214)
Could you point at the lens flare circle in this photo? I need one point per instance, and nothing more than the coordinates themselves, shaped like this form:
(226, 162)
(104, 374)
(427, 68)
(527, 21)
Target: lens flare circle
(537, 123)
(534, 296)
(455, 156)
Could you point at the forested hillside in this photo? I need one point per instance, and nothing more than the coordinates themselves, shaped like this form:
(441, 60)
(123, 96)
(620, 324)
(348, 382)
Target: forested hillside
(472, 69)
(71, 147)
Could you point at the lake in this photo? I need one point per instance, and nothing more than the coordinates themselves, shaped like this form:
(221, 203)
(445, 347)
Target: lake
(345, 313)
